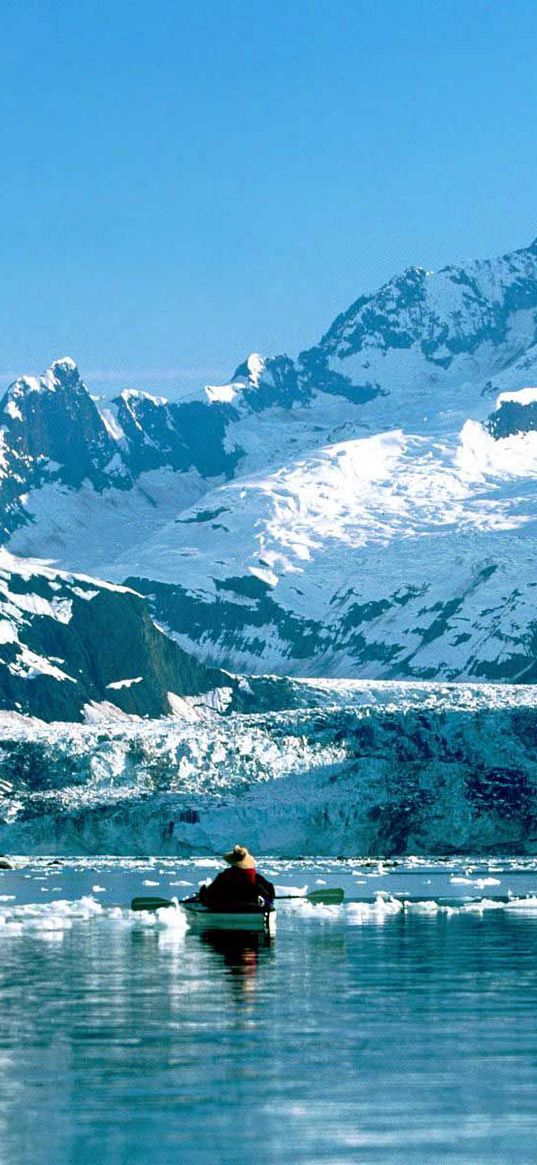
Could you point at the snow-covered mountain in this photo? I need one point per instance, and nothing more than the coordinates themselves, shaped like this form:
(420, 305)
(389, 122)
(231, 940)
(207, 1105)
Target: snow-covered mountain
(390, 556)
(364, 510)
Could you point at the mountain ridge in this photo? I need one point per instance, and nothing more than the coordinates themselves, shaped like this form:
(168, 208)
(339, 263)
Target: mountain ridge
(366, 509)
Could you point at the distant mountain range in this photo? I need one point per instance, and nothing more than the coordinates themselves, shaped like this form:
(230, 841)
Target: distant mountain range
(366, 510)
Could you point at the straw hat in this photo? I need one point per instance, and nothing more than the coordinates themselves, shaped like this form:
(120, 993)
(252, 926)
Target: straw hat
(240, 858)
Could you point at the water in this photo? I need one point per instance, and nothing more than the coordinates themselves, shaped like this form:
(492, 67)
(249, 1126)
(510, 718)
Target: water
(366, 1033)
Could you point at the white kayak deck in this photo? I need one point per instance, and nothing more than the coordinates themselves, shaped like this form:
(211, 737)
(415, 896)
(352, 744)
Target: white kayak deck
(256, 920)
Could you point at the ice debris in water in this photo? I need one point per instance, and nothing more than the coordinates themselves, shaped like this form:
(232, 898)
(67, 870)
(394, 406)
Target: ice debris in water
(383, 906)
(529, 905)
(480, 883)
(168, 916)
(292, 891)
(317, 910)
(42, 919)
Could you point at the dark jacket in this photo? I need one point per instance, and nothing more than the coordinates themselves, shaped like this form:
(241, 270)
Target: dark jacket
(235, 887)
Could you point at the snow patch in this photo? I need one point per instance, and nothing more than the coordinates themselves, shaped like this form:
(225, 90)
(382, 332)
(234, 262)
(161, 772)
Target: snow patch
(12, 410)
(522, 396)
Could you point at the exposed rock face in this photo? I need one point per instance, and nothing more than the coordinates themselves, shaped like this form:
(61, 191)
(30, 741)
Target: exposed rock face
(185, 436)
(67, 642)
(54, 431)
(54, 419)
(515, 413)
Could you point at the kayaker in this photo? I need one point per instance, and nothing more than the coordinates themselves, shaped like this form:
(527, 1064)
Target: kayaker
(240, 885)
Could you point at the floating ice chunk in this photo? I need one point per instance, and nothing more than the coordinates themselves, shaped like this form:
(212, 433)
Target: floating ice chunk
(168, 916)
(428, 907)
(481, 905)
(299, 891)
(89, 906)
(377, 911)
(480, 883)
(173, 917)
(316, 910)
(525, 905)
(52, 923)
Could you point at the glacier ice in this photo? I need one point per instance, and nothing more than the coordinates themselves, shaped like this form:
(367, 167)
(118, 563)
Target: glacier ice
(353, 769)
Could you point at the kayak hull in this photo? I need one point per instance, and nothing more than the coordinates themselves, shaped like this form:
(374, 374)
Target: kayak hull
(262, 921)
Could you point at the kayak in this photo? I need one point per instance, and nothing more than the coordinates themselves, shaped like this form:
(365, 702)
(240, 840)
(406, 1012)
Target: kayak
(246, 918)
(256, 918)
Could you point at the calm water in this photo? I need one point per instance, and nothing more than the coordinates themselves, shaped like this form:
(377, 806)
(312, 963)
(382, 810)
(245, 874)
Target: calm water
(369, 1034)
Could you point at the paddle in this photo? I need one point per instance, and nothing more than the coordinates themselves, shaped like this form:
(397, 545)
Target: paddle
(325, 897)
(328, 897)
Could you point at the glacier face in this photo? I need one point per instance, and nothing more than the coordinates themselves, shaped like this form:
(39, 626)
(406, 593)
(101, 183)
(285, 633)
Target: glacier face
(344, 769)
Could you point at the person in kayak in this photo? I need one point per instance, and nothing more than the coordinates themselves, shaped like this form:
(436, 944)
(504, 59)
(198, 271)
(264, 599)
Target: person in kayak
(239, 886)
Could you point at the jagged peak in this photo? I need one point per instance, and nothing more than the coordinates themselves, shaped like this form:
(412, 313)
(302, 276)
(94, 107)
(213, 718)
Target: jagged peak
(247, 375)
(413, 274)
(63, 363)
(133, 396)
(256, 366)
(62, 372)
(251, 370)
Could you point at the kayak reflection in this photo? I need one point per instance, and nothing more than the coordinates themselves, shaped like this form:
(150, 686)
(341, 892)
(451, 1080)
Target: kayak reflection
(243, 953)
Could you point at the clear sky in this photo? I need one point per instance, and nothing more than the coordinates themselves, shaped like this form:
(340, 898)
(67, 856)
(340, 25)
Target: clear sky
(184, 182)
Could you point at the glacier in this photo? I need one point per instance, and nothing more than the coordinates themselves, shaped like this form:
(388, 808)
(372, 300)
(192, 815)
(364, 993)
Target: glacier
(343, 769)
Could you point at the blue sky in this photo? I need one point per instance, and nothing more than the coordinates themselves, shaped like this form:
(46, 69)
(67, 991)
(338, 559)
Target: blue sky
(183, 183)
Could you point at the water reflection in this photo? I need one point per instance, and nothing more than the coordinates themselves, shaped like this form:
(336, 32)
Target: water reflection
(242, 954)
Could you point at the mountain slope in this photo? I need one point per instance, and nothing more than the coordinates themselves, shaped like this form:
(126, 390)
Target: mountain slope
(68, 642)
(387, 557)
(367, 509)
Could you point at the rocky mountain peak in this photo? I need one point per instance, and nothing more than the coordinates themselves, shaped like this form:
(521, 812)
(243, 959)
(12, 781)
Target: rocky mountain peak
(53, 430)
(62, 376)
